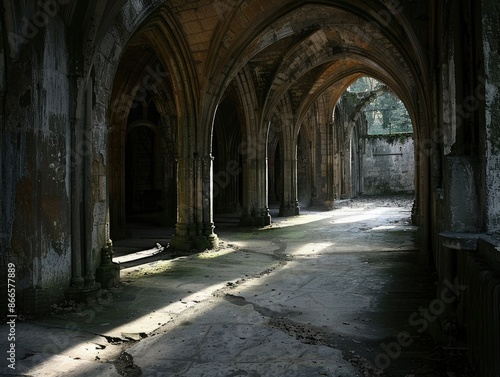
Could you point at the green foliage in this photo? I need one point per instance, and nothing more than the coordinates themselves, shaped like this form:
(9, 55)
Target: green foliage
(364, 85)
(384, 112)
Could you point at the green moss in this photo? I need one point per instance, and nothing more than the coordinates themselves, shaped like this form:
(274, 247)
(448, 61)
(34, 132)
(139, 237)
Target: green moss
(393, 139)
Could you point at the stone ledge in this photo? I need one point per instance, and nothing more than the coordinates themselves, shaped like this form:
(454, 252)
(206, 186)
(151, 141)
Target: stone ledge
(489, 250)
(459, 241)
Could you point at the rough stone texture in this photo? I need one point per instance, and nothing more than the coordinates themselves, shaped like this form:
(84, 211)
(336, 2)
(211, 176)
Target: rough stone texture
(322, 294)
(387, 165)
(462, 204)
(492, 116)
(76, 77)
(35, 169)
(480, 273)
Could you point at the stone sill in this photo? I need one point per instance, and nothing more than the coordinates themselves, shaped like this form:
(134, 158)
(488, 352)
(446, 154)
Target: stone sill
(484, 246)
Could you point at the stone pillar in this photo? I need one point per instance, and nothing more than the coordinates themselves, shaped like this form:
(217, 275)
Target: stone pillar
(116, 180)
(84, 287)
(337, 160)
(249, 191)
(346, 170)
(263, 218)
(323, 190)
(289, 205)
(205, 236)
(255, 196)
(195, 228)
(76, 195)
(185, 228)
(88, 199)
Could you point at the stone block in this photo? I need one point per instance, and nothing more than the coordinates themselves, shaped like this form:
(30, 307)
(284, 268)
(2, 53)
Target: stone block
(460, 194)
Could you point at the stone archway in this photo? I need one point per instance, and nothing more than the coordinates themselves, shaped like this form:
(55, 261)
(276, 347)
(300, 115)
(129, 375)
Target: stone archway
(301, 77)
(227, 166)
(142, 101)
(150, 190)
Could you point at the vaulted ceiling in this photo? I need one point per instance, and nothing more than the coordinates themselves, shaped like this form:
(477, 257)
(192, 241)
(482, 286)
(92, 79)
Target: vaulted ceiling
(288, 48)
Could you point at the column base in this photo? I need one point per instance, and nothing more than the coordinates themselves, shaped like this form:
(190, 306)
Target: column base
(247, 221)
(206, 242)
(181, 243)
(184, 244)
(108, 275)
(291, 209)
(329, 204)
(84, 293)
(266, 216)
(255, 221)
(263, 220)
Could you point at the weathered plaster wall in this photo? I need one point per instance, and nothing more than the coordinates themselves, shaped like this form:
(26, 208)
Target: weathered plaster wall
(468, 179)
(35, 172)
(491, 40)
(387, 165)
(461, 194)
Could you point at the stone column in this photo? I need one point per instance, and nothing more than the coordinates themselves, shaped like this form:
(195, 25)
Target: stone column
(88, 200)
(249, 191)
(84, 287)
(205, 236)
(263, 217)
(329, 163)
(75, 291)
(76, 184)
(195, 228)
(337, 160)
(289, 205)
(185, 227)
(255, 196)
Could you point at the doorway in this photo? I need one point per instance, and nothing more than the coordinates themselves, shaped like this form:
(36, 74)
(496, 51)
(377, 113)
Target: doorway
(144, 181)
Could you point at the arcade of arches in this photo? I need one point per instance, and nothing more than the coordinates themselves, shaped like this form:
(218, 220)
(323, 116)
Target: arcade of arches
(178, 111)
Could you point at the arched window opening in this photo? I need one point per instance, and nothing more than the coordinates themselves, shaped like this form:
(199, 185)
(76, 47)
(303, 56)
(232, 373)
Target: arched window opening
(375, 140)
(384, 112)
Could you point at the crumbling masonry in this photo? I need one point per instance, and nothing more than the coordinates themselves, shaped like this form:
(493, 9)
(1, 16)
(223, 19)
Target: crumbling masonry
(192, 108)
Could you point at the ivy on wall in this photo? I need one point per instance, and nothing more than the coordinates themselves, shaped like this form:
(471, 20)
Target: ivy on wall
(384, 112)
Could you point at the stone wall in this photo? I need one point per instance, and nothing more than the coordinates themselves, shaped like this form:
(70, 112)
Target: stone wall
(35, 205)
(491, 97)
(470, 263)
(387, 166)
